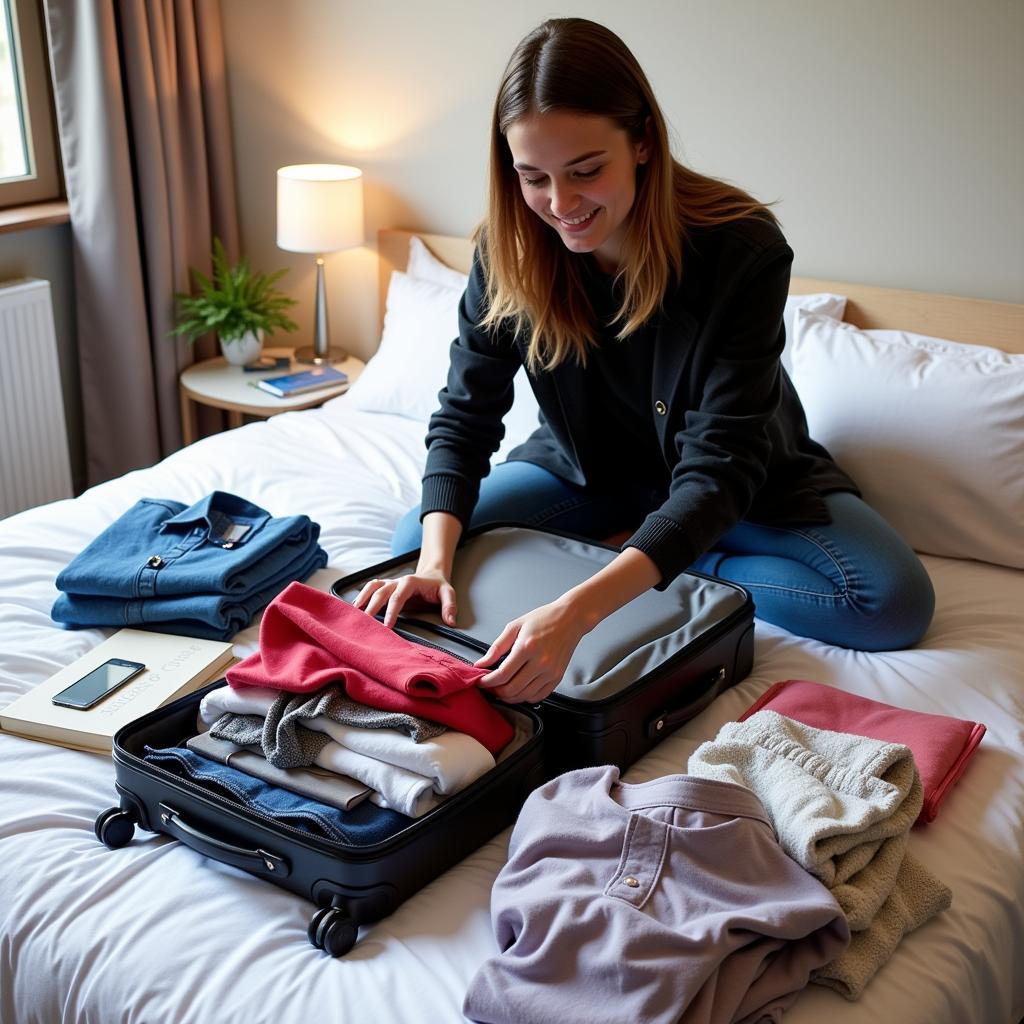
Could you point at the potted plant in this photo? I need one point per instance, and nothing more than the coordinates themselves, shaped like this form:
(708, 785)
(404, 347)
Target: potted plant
(240, 304)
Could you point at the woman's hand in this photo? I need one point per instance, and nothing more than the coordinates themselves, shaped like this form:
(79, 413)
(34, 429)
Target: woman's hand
(539, 645)
(430, 586)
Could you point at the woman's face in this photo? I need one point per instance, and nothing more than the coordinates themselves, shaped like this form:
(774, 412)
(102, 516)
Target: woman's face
(578, 174)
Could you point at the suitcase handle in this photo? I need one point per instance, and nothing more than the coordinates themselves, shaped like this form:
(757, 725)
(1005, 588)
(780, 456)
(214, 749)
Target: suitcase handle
(257, 861)
(664, 723)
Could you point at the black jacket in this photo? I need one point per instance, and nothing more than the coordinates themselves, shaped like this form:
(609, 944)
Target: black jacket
(729, 422)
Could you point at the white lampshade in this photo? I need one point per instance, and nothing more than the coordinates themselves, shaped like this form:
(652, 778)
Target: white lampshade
(319, 207)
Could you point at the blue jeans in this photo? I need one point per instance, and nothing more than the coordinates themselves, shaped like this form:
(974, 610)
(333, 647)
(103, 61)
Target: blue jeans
(364, 825)
(853, 582)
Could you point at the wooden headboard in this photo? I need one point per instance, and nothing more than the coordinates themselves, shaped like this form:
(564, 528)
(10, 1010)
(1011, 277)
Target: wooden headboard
(971, 321)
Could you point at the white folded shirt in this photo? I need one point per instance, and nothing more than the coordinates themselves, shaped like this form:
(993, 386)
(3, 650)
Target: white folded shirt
(449, 762)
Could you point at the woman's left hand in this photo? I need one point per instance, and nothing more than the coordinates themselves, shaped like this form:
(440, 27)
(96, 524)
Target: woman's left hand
(539, 645)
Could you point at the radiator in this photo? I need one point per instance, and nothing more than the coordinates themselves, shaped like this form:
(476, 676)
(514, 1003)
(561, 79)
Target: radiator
(34, 463)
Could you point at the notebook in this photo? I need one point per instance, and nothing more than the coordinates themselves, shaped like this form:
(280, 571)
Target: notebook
(175, 666)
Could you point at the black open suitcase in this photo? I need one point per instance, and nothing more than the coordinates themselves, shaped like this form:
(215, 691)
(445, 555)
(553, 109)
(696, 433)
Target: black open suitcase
(638, 675)
(350, 885)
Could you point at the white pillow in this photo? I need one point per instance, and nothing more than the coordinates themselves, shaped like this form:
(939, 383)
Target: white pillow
(932, 432)
(426, 266)
(410, 367)
(411, 364)
(820, 302)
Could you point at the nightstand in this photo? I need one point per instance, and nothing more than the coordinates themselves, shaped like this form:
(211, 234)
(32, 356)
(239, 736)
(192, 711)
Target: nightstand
(217, 383)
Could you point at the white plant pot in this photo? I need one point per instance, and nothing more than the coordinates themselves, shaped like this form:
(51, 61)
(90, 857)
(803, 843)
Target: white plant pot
(245, 349)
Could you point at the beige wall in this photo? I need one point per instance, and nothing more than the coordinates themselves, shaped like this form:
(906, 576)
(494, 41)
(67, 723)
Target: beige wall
(892, 133)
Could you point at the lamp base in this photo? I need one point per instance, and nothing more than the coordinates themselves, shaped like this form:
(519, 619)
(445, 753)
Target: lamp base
(307, 354)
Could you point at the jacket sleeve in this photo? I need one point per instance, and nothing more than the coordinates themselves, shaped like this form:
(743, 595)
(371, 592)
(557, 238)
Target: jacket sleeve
(467, 428)
(723, 447)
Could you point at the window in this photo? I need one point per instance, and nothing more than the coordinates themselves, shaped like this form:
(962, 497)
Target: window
(28, 149)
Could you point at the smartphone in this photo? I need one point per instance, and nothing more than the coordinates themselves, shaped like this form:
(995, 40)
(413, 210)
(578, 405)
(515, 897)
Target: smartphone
(97, 684)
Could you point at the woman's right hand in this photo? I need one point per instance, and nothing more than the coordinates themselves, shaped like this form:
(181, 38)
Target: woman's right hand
(429, 586)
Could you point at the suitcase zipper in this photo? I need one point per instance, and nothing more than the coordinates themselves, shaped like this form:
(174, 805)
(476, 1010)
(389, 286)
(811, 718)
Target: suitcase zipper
(416, 639)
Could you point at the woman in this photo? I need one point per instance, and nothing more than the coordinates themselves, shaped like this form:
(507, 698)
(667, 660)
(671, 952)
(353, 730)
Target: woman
(646, 302)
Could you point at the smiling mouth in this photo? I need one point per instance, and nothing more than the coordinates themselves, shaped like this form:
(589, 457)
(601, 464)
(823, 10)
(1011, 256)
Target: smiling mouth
(578, 222)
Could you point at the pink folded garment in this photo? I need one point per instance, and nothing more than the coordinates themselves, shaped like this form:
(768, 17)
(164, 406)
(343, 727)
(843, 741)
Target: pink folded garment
(941, 745)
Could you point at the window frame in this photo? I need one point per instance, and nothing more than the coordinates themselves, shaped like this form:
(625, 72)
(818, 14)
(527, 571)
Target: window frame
(44, 181)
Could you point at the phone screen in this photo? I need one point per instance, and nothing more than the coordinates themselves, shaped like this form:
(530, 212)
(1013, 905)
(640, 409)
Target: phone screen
(98, 683)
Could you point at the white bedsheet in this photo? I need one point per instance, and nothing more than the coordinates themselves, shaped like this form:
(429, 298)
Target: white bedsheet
(155, 933)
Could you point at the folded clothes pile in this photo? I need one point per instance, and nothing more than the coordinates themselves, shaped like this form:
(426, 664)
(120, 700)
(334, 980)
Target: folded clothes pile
(842, 806)
(337, 708)
(202, 571)
(781, 858)
(408, 768)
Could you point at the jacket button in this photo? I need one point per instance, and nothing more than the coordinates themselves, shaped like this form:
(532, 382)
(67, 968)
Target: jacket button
(154, 561)
(660, 407)
(633, 883)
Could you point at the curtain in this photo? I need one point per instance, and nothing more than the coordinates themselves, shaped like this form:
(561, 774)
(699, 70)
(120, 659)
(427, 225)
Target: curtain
(140, 89)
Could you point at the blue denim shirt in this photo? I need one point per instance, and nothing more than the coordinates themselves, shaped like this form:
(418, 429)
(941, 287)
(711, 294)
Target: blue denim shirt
(220, 545)
(364, 825)
(208, 616)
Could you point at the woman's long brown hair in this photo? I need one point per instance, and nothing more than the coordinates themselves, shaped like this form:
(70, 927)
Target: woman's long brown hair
(534, 283)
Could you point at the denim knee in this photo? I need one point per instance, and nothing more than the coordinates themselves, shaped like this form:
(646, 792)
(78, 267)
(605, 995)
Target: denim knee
(897, 612)
(408, 535)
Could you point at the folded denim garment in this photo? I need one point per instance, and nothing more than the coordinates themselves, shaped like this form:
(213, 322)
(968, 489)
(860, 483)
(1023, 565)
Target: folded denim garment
(365, 825)
(222, 544)
(941, 745)
(203, 571)
(205, 615)
(309, 639)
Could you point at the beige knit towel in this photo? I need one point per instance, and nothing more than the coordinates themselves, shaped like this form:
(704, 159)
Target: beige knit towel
(916, 897)
(842, 807)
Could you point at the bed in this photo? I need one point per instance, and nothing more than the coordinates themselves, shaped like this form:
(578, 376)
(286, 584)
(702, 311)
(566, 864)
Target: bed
(153, 932)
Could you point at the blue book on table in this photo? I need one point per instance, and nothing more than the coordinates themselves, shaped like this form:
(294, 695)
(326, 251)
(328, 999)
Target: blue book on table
(307, 380)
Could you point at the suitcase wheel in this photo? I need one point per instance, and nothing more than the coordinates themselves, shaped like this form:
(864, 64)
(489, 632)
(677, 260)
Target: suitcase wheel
(333, 931)
(114, 828)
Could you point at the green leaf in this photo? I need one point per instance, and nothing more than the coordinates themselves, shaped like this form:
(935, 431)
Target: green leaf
(234, 299)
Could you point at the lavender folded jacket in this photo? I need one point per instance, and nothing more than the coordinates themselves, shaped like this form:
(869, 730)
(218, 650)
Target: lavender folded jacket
(661, 902)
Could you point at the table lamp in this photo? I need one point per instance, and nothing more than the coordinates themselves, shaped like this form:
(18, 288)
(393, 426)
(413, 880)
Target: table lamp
(319, 210)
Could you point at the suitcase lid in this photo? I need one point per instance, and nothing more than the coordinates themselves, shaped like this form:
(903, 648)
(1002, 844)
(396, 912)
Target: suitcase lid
(500, 572)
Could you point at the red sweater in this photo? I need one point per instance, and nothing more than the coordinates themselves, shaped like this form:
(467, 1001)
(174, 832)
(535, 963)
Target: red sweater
(309, 639)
